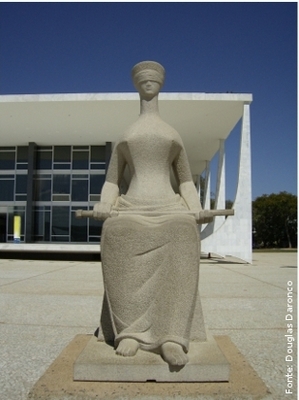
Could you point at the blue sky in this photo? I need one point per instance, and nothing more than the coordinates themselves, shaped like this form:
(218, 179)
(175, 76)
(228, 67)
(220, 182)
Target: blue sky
(204, 47)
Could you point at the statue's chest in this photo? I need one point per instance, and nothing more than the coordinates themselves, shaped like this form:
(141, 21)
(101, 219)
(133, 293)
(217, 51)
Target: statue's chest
(157, 142)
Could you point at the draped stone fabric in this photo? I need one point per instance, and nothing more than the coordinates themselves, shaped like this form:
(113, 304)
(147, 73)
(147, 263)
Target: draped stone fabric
(150, 271)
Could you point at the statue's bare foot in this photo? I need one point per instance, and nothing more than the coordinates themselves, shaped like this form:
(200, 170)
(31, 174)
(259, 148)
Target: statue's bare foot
(127, 347)
(174, 354)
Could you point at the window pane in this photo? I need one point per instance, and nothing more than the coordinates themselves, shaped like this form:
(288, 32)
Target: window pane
(62, 166)
(95, 227)
(78, 229)
(39, 225)
(62, 153)
(22, 154)
(79, 190)
(60, 238)
(6, 190)
(43, 190)
(98, 153)
(61, 184)
(100, 166)
(22, 166)
(21, 184)
(7, 160)
(60, 220)
(96, 183)
(80, 159)
(42, 225)
(44, 160)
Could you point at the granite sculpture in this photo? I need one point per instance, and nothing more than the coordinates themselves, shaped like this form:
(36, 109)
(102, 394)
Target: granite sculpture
(150, 243)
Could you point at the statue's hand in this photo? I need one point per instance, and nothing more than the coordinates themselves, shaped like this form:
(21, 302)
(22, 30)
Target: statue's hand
(102, 211)
(205, 216)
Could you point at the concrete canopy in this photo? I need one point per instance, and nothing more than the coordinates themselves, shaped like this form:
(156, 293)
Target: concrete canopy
(95, 118)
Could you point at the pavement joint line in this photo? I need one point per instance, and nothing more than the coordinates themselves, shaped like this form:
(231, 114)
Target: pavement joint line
(259, 280)
(51, 326)
(211, 329)
(248, 329)
(34, 276)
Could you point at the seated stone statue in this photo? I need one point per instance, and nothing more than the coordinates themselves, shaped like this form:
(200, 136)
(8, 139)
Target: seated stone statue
(151, 250)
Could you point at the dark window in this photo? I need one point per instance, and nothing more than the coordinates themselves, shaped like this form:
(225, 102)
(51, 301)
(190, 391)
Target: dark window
(98, 153)
(7, 190)
(22, 166)
(42, 225)
(95, 228)
(22, 154)
(62, 154)
(62, 166)
(61, 184)
(21, 184)
(44, 159)
(7, 159)
(60, 238)
(100, 166)
(96, 183)
(43, 190)
(79, 190)
(60, 221)
(80, 159)
(78, 229)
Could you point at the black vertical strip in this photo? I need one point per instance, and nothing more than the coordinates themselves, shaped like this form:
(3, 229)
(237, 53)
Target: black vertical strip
(29, 228)
(108, 151)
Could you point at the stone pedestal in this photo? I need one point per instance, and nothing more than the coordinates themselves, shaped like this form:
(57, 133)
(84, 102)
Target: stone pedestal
(98, 362)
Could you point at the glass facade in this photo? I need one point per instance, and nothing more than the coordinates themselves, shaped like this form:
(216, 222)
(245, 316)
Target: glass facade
(65, 178)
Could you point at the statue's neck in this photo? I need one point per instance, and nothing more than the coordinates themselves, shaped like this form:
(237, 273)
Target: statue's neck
(149, 106)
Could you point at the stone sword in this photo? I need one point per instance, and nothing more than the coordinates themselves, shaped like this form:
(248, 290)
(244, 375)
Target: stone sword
(197, 214)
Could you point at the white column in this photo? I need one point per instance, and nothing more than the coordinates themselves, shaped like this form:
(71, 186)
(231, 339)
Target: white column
(198, 185)
(234, 236)
(207, 194)
(207, 190)
(220, 188)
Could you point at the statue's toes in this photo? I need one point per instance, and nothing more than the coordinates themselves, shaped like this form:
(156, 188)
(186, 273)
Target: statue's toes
(127, 348)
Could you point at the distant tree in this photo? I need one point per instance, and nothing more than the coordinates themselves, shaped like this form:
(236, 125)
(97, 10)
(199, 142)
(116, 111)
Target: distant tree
(275, 220)
(229, 204)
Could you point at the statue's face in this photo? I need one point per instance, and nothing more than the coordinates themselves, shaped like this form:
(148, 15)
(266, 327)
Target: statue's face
(149, 89)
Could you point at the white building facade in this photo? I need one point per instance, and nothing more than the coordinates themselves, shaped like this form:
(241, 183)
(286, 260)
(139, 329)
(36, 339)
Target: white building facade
(55, 149)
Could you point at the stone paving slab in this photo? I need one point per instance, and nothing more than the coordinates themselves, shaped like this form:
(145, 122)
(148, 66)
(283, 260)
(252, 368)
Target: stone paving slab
(40, 316)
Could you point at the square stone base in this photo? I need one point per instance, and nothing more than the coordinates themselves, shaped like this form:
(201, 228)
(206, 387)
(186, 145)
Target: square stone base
(98, 362)
(57, 382)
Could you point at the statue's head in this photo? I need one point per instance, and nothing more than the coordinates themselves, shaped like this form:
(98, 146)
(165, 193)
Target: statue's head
(148, 71)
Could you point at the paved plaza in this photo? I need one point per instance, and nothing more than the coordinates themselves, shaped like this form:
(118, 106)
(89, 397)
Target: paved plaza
(45, 304)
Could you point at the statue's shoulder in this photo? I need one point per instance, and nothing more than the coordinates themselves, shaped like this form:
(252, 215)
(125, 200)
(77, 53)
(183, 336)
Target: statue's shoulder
(172, 134)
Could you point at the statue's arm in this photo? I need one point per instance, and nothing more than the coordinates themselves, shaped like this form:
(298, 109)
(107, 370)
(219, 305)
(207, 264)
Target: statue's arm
(110, 190)
(184, 177)
(187, 188)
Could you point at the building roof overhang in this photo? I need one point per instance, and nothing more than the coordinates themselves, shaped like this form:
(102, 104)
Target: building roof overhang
(95, 118)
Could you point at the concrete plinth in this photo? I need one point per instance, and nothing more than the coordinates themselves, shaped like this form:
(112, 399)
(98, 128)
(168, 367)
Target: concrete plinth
(57, 383)
(98, 362)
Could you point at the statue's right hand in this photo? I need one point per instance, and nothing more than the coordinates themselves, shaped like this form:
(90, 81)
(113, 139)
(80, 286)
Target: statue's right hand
(102, 211)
